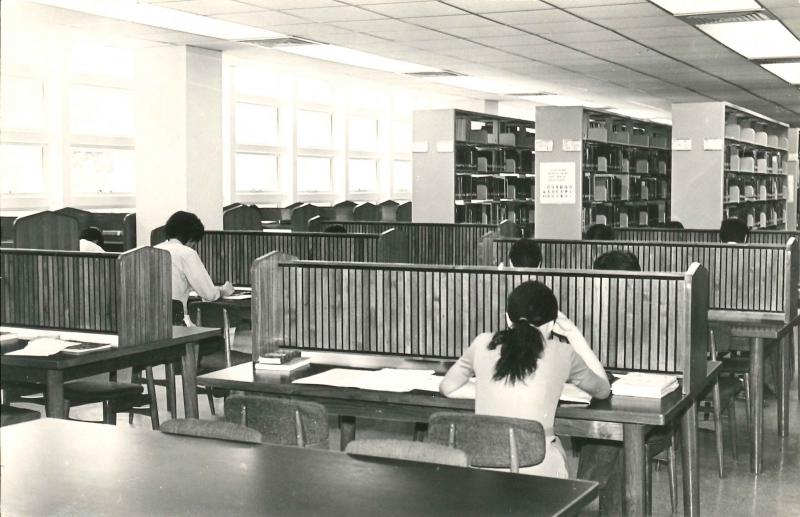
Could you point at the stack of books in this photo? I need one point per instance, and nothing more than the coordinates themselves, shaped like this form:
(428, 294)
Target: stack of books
(649, 385)
(282, 361)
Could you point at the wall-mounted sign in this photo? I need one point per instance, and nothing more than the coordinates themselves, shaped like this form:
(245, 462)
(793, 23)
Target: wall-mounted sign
(543, 146)
(681, 144)
(556, 183)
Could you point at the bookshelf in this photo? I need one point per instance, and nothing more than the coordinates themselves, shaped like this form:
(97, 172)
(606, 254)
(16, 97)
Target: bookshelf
(731, 162)
(472, 168)
(599, 167)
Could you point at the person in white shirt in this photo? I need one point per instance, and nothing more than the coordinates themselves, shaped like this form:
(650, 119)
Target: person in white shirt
(183, 230)
(91, 240)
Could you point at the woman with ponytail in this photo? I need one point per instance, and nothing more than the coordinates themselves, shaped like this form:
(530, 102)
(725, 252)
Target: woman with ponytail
(520, 372)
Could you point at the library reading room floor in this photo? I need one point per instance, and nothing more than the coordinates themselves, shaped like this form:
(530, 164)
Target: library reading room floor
(775, 492)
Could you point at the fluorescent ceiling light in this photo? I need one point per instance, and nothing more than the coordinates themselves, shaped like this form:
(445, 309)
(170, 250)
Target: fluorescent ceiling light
(689, 7)
(767, 39)
(789, 72)
(155, 16)
(356, 58)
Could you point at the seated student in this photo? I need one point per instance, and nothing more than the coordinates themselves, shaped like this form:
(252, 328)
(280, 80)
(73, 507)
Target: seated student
(183, 230)
(521, 371)
(617, 260)
(91, 239)
(525, 253)
(734, 231)
(335, 228)
(600, 460)
(599, 232)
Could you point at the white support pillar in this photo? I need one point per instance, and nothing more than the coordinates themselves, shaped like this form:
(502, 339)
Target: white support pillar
(179, 136)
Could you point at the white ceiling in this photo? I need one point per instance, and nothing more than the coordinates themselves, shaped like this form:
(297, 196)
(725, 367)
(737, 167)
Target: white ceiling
(621, 53)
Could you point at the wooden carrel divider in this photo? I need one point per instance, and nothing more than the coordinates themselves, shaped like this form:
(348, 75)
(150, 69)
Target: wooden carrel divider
(688, 235)
(47, 231)
(654, 322)
(128, 294)
(229, 255)
(753, 278)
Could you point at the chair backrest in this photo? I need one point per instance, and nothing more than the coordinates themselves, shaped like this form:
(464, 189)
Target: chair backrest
(47, 231)
(344, 211)
(408, 450)
(388, 210)
(366, 212)
(84, 218)
(216, 429)
(280, 421)
(158, 235)
(242, 217)
(490, 441)
(404, 212)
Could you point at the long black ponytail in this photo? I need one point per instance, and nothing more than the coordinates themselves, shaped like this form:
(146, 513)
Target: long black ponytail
(530, 305)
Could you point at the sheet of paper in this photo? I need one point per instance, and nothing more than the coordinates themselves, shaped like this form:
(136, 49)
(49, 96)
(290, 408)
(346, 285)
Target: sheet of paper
(89, 337)
(29, 333)
(238, 297)
(43, 346)
(572, 393)
(339, 377)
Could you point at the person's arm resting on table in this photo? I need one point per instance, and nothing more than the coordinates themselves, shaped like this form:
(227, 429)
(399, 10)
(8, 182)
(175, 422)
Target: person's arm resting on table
(456, 382)
(201, 282)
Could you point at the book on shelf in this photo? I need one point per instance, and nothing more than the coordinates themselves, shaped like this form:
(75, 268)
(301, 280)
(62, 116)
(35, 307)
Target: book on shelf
(278, 357)
(290, 366)
(647, 385)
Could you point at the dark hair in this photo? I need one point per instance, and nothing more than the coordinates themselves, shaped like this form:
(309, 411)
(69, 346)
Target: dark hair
(529, 305)
(733, 230)
(93, 234)
(673, 224)
(599, 232)
(336, 228)
(525, 253)
(617, 260)
(184, 226)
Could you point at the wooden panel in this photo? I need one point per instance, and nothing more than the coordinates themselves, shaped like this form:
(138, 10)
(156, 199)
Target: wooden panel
(344, 211)
(388, 211)
(687, 235)
(46, 231)
(300, 216)
(129, 232)
(366, 212)
(65, 290)
(83, 217)
(741, 277)
(242, 217)
(228, 255)
(144, 296)
(450, 306)
(7, 230)
(404, 212)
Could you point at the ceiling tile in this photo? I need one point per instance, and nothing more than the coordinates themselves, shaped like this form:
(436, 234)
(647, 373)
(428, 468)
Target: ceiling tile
(543, 29)
(596, 36)
(509, 41)
(292, 4)
(353, 39)
(415, 34)
(414, 9)
(566, 4)
(449, 22)
(489, 31)
(335, 14)
(539, 16)
(311, 29)
(206, 7)
(498, 6)
(642, 22)
(602, 12)
(262, 18)
(374, 26)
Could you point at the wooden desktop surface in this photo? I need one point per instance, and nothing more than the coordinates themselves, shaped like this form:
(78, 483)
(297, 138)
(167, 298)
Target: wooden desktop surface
(53, 466)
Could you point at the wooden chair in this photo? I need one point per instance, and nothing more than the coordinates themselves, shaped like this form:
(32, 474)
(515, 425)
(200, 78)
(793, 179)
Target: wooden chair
(281, 421)
(216, 429)
(408, 450)
(490, 441)
(662, 440)
(10, 415)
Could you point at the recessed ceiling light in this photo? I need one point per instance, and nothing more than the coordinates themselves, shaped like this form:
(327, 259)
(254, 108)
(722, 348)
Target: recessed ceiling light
(765, 39)
(689, 7)
(155, 16)
(789, 72)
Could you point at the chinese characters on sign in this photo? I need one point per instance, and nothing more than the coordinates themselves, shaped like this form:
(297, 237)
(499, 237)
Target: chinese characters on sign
(557, 183)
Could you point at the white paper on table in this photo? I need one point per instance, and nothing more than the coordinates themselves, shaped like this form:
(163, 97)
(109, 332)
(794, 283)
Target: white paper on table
(572, 393)
(238, 297)
(29, 333)
(339, 377)
(89, 337)
(43, 346)
(428, 383)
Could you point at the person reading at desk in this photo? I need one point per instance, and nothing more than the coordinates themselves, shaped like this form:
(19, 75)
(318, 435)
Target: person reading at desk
(183, 231)
(521, 371)
(91, 240)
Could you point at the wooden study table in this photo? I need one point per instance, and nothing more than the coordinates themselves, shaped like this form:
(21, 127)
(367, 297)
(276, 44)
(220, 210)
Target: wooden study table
(761, 330)
(53, 371)
(625, 419)
(54, 466)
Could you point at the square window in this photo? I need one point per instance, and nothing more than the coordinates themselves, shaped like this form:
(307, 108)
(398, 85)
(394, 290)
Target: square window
(363, 133)
(362, 175)
(22, 103)
(104, 61)
(21, 169)
(401, 137)
(256, 124)
(314, 90)
(401, 176)
(96, 110)
(259, 82)
(105, 170)
(314, 129)
(313, 174)
(256, 172)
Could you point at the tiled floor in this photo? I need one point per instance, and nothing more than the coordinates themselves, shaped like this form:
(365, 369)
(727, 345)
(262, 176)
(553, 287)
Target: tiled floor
(776, 492)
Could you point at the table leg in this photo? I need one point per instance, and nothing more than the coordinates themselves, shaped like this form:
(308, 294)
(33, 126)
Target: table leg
(690, 462)
(189, 380)
(756, 404)
(347, 430)
(172, 396)
(55, 394)
(635, 465)
(783, 381)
